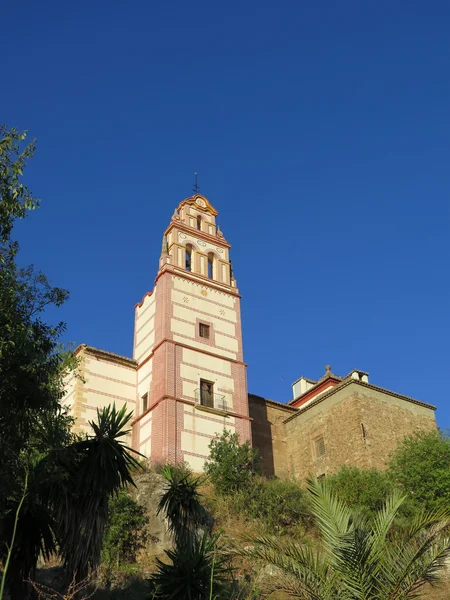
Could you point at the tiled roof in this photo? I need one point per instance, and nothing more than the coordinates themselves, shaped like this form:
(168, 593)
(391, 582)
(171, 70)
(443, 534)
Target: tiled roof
(106, 354)
(274, 402)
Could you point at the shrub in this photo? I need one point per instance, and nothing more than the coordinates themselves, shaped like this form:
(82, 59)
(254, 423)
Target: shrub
(361, 488)
(231, 465)
(421, 468)
(280, 505)
(125, 530)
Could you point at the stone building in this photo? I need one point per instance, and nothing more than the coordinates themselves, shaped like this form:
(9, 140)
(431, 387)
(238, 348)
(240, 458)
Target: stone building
(186, 381)
(332, 422)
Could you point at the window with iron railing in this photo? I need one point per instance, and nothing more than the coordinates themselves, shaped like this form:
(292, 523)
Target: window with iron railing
(205, 396)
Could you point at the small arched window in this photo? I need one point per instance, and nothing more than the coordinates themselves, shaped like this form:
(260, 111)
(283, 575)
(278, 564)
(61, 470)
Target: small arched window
(188, 257)
(199, 223)
(211, 266)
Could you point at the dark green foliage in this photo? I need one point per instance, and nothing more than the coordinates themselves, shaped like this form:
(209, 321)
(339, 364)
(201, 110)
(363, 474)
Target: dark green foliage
(70, 479)
(15, 198)
(231, 465)
(98, 467)
(359, 557)
(197, 568)
(281, 505)
(181, 503)
(366, 489)
(66, 506)
(421, 468)
(125, 530)
(196, 572)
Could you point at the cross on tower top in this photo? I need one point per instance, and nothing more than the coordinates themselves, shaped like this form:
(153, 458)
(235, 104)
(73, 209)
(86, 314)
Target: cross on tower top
(196, 188)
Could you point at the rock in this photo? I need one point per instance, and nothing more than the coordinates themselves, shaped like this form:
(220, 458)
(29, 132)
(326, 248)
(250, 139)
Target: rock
(149, 489)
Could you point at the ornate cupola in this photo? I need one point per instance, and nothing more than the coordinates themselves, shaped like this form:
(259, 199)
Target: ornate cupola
(195, 244)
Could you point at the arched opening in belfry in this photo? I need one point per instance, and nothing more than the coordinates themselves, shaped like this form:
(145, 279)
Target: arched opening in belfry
(211, 266)
(188, 257)
(199, 223)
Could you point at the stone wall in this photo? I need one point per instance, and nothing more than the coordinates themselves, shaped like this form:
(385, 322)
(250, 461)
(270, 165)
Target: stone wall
(356, 425)
(268, 434)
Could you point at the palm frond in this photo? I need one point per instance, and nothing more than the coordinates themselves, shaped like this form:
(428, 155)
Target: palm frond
(181, 504)
(313, 576)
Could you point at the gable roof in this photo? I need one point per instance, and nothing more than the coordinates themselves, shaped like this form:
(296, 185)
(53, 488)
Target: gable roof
(349, 381)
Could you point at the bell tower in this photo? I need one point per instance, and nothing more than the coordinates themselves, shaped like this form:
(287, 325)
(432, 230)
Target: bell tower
(191, 381)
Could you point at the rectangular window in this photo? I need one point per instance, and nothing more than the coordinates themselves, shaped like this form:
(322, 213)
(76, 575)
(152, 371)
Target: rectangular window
(204, 331)
(144, 402)
(320, 447)
(207, 393)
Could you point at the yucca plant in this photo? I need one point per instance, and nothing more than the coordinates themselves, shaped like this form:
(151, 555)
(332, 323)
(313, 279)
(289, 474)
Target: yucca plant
(199, 571)
(181, 504)
(100, 465)
(66, 506)
(196, 568)
(359, 558)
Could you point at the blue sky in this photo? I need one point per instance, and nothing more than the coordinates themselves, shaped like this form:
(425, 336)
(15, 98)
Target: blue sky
(320, 131)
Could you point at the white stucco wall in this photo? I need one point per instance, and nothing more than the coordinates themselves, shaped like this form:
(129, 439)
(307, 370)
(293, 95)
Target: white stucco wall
(144, 328)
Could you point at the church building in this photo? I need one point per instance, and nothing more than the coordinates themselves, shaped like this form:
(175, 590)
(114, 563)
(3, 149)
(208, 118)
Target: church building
(186, 381)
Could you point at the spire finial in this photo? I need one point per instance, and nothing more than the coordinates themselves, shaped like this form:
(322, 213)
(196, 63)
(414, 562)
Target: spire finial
(328, 369)
(164, 248)
(195, 188)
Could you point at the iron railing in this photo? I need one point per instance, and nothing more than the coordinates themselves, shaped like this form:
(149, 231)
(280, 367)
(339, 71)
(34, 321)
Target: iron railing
(210, 400)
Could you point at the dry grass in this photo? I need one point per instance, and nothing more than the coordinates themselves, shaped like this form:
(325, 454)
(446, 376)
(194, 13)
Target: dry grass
(73, 592)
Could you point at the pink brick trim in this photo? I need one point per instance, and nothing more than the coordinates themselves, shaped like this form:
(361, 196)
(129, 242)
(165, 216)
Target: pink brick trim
(144, 338)
(144, 441)
(109, 378)
(144, 378)
(188, 347)
(199, 415)
(204, 312)
(144, 324)
(195, 454)
(148, 349)
(108, 395)
(67, 396)
(149, 420)
(188, 364)
(205, 435)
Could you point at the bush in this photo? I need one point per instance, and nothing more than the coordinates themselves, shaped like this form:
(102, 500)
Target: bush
(361, 488)
(421, 468)
(125, 530)
(231, 465)
(280, 505)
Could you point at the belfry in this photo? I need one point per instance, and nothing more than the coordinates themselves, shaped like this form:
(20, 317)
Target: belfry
(189, 375)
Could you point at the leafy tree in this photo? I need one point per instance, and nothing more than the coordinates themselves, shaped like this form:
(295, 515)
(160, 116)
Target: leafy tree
(231, 465)
(360, 557)
(421, 468)
(366, 489)
(16, 199)
(69, 478)
(125, 530)
(32, 363)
